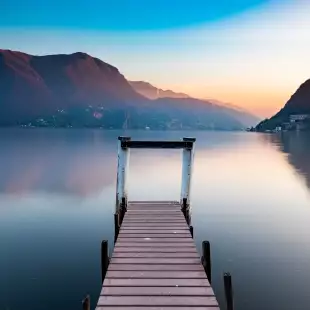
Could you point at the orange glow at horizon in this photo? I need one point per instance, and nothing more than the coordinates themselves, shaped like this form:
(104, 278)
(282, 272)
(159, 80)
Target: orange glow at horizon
(255, 59)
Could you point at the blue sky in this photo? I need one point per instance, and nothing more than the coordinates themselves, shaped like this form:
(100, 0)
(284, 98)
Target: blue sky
(251, 53)
(120, 15)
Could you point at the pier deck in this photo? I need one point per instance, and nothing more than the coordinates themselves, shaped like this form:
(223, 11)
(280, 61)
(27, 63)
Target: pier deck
(155, 264)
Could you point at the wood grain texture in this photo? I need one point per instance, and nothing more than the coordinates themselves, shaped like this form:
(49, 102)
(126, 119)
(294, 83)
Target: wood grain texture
(155, 255)
(155, 261)
(134, 274)
(157, 291)
(127, 234)
(155, 282)
(157, 308)
(155, 264)
(153, 240)
(158, 229)
(157, 301)
(120, 267)
(156, 249)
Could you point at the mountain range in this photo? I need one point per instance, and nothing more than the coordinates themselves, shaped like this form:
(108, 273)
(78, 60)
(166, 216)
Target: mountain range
(79, 90)
(246, 118)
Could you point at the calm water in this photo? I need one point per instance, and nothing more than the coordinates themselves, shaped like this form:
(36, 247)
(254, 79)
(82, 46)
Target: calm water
(250, 198)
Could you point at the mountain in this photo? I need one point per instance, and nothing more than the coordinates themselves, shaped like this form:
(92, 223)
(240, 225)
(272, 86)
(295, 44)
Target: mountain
(152, 92)
(244, 117)
(299, 103)
(35, 85)
(79, 90)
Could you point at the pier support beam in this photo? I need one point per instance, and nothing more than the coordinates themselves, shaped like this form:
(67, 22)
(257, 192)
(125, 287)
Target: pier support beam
(122, 167)
(228, 291)
(191, 229)
(123, 210)
(185, 210)
(116, 226)
(206, 258)
(86, 303)
(187, 165)
(104, 258)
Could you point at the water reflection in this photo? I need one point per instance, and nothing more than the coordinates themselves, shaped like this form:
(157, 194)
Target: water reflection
(297, 147)
(70, 162)
(57, 193)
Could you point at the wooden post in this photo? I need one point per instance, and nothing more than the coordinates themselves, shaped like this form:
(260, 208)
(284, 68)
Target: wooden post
(228, 291)
(187, 169)
(191, 229)
(116, 226)
(206, 258)
(123, 210)
(104, 258)
(184, 206)
(185, 210)
(86, 303)
(122, 163)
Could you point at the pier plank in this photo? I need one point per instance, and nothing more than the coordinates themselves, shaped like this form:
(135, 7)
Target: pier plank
(155, 264)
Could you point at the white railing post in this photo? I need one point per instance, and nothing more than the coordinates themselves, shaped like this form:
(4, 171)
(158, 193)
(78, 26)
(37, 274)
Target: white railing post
(187, 166)
(122, 167)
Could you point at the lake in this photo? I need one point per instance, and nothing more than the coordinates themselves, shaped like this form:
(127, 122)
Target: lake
(250, 199)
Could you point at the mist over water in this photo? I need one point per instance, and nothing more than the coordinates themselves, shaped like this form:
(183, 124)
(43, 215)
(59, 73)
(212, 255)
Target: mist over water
(250, 199)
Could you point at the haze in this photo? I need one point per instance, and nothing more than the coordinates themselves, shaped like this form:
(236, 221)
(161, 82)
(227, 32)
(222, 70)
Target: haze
(250, 53)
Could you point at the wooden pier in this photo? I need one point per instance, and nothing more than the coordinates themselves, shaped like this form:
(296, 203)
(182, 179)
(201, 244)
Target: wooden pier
(155, 264)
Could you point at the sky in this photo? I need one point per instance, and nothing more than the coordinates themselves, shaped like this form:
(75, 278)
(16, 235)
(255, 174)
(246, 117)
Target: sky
(251, 53)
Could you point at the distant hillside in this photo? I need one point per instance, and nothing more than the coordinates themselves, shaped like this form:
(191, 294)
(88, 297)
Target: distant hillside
(152, 92)
(244, 117)
(82, 91)
(299, 103)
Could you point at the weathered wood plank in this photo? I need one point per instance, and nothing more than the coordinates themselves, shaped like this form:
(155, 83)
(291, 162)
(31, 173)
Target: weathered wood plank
(158, 224)
(157, 249)
(151, 212)
(157, 291)
(152, 202)
(157, 217)
(153, 235)
(157, 301)
(146, 230)
(153, 255)
(160, 210)
(167, 261)
(154, 228)
(154, 219)
(158, 308)
(149, 244)
(153, 240)
(120, 267)
(155, 282)
(157, 274)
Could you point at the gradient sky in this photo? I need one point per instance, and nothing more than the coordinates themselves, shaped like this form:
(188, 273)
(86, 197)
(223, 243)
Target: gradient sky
(253, 53)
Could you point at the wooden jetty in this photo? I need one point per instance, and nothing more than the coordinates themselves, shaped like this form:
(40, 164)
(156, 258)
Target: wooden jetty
(155, 264)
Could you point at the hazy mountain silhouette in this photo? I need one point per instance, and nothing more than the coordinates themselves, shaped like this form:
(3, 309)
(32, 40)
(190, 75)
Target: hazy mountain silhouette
(149, 91)
(244, 117)
(299, 103)
(78, 85)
